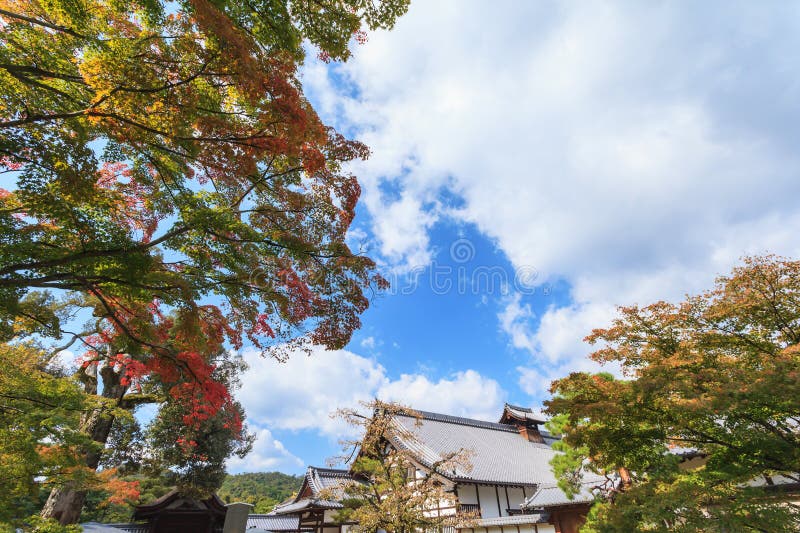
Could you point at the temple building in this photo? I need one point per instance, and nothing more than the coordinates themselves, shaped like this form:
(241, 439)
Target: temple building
(312, 511)
(510, 486)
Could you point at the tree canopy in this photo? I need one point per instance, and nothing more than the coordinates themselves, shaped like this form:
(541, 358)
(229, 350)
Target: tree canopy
(390, 491)
(38, 421)
(168, 193)
(705, 422)
(167, 159)
(264, 490)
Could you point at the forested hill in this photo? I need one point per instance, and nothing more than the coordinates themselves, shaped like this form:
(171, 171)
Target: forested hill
(262, 489)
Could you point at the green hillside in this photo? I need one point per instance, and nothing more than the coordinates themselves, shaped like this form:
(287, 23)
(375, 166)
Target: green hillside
(262, 489)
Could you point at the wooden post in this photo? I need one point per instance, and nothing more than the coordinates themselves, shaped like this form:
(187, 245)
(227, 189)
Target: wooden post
(626, 477)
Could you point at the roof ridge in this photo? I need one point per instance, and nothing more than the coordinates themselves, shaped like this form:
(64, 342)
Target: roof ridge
(311, 475)
(452, 419)
(325, 470)
(518, 408)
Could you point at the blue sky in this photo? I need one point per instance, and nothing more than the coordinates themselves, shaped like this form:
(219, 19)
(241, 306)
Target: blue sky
(586, 155)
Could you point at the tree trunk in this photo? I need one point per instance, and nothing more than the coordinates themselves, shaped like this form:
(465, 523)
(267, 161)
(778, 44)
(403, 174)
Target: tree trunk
(66, 502)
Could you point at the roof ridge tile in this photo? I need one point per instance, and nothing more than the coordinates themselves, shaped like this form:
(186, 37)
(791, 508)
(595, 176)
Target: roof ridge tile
(451, 419)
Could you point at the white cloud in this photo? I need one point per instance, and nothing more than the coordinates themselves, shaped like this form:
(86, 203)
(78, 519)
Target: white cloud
(558, 348)
(302, 393)
(67, 360)
(560, 334)
(555, 343)
(515, 319)
(633, 150)
(467, 394)
(369, 343)
(268, 454)
(402, 230)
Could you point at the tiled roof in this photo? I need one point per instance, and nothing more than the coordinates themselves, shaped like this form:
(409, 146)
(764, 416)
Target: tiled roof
(306, 503)
(514, 520)
(550, 495)
(427, 415)
(273, 522)
(523, 413)
(548, 438)
(95, 527)
(326, 478)
(685, 451)
(133, 528)
(321, 479)
(499, 454)
(317, 479)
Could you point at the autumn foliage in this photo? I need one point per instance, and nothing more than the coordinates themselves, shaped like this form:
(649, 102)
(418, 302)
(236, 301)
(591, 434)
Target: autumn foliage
(389, 490)
(169, 193)
(706, 418)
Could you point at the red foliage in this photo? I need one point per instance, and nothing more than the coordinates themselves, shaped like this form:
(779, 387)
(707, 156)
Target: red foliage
(201, 199)
(9, 164)
(361, 36)
(120, 491)
(262, 327)
(181, 361)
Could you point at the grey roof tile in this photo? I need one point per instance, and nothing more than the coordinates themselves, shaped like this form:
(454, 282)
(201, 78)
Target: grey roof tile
(523, 413)
(306, 503)
(273, 522)
(550, 495)
(515, 520)
(326, 478)
(96, 527)
(500, 454)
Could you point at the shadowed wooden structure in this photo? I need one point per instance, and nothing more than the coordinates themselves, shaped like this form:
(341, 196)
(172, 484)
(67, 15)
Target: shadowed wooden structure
(175, 513)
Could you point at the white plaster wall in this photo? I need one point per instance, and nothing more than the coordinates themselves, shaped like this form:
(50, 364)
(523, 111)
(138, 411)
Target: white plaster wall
(488, 502)
(515, 497)
(467, 495)
(542, 528)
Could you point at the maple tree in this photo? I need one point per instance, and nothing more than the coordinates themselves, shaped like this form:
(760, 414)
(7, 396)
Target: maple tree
(197, 464)
(98, 508)
(705, 423)
(390, 492)
(167, 184)
(38, 421)
(41, 442)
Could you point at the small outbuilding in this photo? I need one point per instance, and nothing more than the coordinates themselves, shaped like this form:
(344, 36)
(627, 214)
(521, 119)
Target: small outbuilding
(176, 513)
